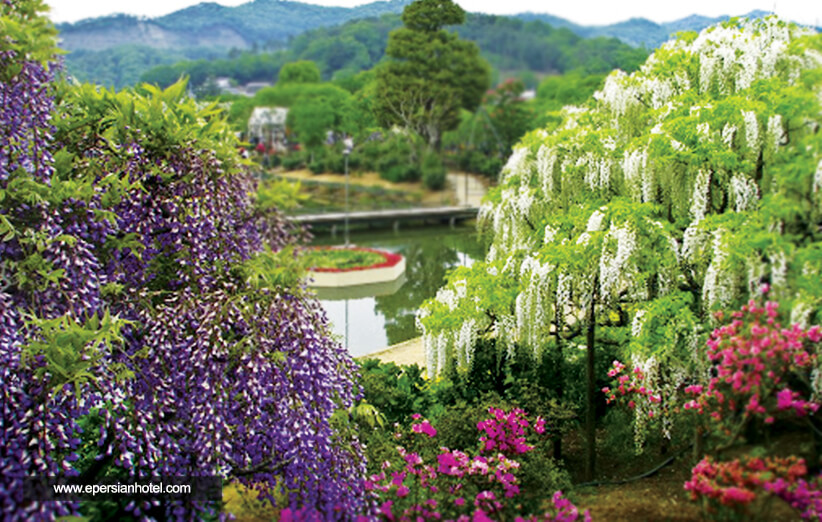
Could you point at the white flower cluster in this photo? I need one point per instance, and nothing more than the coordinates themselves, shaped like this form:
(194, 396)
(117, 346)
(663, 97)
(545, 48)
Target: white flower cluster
(776, 133)
(533, 306)
(719, 286)
(546, 161)
(618, 94)
(801, 314)
(597, 171)
(615, 271)
(745, 192)
(451, 298)
(728, 135)
(517, 164)
(595, 221)
(465, 342)
(732, 58)
(637, 176)
(779, 269)
(637, 323)
(694, 241)
(751, 130)
(756, 272)
(817, 178)
(699, 200)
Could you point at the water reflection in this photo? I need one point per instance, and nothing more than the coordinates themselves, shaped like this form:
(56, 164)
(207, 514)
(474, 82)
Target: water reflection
(378, 320)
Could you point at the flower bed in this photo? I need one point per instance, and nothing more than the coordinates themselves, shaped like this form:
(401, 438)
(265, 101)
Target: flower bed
(376, 266)
(378, 259)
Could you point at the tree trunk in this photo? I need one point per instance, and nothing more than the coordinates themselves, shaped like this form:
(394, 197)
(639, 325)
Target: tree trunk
(590, 375)
(560, 385)
(699, 444)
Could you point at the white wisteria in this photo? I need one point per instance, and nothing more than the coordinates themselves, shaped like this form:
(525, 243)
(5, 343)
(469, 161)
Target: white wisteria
(651, 190)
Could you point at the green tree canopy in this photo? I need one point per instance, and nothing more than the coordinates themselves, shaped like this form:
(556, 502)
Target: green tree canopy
(430, 73)
(320, 108)
(432, 15)
(302, 71)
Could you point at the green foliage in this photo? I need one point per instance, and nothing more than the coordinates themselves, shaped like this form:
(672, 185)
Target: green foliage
(272, 270)
(340, 258)
(484, 139)
(432, 15)
(345, 49)
(574, 88)
(244, 68)
(397, 160)
(27, 34)
(280, 195)
(315, 110)
(430, 73)
(72, 349)
(303, 71)
(165, 118)
(433, 171)
(396, 391)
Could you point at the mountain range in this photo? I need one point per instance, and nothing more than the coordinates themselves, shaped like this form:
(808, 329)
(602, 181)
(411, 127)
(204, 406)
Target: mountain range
(638, 32)
(117, 50)
(271, 23)
(268, 23)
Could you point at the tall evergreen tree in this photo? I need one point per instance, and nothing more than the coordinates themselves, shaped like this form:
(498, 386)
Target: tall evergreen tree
(431, 73)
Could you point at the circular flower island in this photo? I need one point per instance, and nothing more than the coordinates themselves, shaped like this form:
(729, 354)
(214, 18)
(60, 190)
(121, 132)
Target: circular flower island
(336, 267)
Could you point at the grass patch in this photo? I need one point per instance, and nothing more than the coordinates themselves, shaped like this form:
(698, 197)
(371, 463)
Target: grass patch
(341, 258)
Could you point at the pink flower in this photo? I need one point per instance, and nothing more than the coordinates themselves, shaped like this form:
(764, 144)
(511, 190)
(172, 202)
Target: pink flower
(424, 427)
(784, 399)
(539, 425)
(402, 491)
(385, 509)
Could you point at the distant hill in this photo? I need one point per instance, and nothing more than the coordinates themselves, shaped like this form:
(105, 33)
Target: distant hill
(210, 25)
(509, 44)
(638, 32)
(118, 50)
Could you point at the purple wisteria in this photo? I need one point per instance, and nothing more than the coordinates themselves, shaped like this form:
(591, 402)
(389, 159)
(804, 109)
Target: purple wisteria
(132, 342)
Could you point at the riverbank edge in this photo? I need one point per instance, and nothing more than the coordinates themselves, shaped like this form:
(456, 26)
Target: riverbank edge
(407, 352)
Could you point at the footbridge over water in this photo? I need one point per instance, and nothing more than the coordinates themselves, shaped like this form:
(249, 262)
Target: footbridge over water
(389, 217)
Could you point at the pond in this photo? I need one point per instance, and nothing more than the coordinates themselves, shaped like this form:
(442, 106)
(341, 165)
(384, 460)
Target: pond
(368, 319)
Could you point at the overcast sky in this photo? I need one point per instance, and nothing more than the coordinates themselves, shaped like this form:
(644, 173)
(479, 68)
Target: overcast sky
(586, 12)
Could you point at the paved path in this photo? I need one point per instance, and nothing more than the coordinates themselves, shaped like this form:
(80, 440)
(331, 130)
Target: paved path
(470, 195)
(408, 352)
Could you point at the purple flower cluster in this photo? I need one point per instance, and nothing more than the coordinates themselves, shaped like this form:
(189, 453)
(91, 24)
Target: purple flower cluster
(126, 209)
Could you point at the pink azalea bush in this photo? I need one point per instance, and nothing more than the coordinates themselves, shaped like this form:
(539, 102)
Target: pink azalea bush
(758, 365)
(736, 485)
(428, 482)
(760, 373)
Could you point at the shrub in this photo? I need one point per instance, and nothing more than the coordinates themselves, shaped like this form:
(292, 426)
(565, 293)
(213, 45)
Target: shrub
(293, 161)
(426, 480)
(433, 172)
(396, 162)
(742, 486)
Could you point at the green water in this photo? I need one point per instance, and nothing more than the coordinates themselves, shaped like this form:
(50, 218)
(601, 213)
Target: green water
(377, 321)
